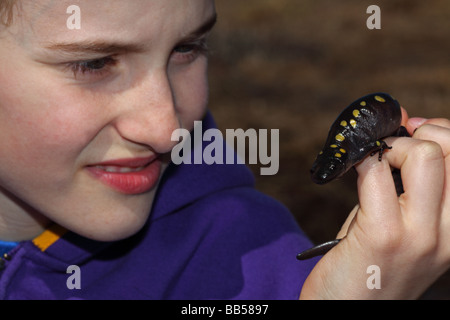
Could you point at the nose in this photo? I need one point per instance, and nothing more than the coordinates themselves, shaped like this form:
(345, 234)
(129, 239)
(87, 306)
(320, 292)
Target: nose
(148, 114)
(318, 176)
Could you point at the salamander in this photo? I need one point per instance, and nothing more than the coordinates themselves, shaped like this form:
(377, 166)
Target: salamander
(356, 133)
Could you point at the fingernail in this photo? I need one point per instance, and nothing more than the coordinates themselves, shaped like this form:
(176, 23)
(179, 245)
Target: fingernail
(417, 122)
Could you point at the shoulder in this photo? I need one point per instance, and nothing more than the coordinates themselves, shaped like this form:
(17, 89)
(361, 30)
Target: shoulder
(247, 210)
(235, 243)
(252, 240)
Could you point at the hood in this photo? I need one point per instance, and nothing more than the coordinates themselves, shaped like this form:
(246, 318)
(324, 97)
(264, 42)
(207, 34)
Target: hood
(180, 186)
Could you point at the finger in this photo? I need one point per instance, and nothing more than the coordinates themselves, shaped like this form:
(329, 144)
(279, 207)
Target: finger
(405, 116)
(438, 130)
(422, 168)
(441, 122)
(377, 196)
(346, 226)
(414, 123)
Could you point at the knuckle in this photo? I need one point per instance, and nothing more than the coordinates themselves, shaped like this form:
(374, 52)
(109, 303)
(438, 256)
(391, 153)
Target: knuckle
(416, 248)
(426, 245)
(427, 151)
(442, 122)
(389, 243)
(430, 131)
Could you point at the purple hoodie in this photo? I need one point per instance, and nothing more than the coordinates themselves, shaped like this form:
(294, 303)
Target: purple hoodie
(210, 235)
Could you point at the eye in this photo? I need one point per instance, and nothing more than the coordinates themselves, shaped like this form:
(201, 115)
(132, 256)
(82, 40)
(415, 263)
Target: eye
(185, 48)
(95, 64)
(95, 67)
(188, 52)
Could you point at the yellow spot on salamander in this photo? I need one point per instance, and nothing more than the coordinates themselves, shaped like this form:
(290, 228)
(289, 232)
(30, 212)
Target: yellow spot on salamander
(334, 146)
(362, 103)
(342, 150)
(356, 113)
(321, 152)
(378, 143)
(340, 137)
(343, 123)
(380, 99)
(338, 155)
(353, 123)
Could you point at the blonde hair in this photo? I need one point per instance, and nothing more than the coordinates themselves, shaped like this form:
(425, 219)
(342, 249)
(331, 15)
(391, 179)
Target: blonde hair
(6, 11)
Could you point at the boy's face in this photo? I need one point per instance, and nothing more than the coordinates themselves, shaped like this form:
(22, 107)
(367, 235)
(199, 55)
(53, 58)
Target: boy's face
(86, 114)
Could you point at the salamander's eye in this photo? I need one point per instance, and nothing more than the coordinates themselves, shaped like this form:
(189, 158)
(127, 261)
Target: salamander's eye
(322, 174)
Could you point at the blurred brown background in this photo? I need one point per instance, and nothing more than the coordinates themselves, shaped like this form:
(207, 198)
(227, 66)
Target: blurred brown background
(293, 65)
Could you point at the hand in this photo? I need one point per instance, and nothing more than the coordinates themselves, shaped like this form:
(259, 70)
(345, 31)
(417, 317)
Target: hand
(407, 237)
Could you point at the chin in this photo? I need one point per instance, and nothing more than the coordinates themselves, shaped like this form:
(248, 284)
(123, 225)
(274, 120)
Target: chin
(110, 233)
(111, 227)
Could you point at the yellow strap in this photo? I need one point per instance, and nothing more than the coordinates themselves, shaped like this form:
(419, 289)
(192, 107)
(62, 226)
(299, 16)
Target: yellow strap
(49, 237)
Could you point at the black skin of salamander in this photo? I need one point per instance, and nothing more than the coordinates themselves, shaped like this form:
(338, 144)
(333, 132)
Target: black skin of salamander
(376, 120)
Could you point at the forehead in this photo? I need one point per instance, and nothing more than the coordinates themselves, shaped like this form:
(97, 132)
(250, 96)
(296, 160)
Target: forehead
(46, 20)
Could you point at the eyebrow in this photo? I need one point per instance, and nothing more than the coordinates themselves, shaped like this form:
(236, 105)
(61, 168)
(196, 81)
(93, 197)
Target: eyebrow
(203, 29)
(105, 47)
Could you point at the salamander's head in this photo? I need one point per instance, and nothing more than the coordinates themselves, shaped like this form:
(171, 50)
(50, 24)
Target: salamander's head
(327, 167)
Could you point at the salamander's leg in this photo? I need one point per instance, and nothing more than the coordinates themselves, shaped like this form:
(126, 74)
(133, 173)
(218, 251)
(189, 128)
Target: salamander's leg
(318, 250)
(401, 132)
(380, 146)
(396, 174)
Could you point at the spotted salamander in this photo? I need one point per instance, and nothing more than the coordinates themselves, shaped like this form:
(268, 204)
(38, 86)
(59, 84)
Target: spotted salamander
(357, 132)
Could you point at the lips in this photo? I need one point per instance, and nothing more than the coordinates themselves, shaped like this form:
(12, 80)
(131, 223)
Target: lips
(128, 176)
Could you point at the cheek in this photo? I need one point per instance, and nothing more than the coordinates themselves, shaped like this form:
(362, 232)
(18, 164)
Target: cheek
(190, 89)
(35, 110)
(35, 133)
(42, 134)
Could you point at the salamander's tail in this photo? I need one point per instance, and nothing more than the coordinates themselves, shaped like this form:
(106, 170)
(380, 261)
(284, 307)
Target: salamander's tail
(318, 250)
